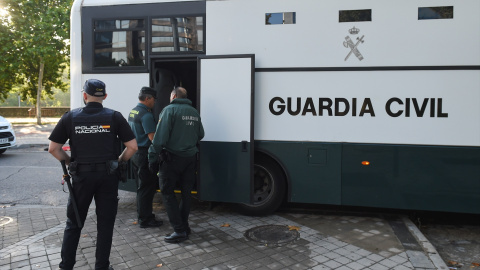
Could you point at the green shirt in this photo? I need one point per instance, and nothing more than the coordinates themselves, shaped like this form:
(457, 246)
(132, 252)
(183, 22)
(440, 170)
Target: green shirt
(141, 122)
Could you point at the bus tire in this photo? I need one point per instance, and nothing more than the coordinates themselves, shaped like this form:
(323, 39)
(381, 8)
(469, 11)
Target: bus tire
(269, 188)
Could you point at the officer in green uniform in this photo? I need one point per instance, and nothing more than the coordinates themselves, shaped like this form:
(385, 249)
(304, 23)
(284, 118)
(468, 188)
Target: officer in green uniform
(142, 123)
(179, 130)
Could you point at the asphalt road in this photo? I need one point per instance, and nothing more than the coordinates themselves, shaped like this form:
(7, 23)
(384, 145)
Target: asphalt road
(455, 236)
(32, 176)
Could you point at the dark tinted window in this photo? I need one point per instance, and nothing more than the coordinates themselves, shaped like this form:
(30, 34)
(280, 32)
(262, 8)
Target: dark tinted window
(361, 15)
(119, 43)
(432, 13)
(280, 18)
(177, 34)
(118, 24)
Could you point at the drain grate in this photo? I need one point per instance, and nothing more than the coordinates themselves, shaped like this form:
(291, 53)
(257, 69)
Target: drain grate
(273, 235)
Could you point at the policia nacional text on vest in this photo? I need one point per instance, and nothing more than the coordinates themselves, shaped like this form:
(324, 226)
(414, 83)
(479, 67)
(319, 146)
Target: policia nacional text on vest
(94, 142)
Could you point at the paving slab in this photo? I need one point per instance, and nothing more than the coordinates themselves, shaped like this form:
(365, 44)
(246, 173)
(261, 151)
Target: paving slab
(31, 238)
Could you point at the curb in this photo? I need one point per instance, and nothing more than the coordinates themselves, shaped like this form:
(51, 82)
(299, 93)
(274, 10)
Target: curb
(28, 145)
(426, 245)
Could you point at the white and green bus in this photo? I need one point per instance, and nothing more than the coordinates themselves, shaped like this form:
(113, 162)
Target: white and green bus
(371, 103)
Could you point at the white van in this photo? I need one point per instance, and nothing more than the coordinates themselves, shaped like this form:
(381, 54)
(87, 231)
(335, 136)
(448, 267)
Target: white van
(7, 135)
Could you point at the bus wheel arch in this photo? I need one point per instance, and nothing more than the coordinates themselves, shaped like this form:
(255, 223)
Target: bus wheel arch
(269, 184)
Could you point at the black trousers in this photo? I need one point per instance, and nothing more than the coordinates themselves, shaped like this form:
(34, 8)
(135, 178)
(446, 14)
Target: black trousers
(181, 171)
(86, 186)
(146, 185)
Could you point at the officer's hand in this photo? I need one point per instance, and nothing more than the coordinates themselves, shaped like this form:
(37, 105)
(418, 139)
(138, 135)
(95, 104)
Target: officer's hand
(153, 167)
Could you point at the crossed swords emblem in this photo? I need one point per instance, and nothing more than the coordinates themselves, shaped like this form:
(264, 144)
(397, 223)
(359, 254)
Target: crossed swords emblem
(353, 47)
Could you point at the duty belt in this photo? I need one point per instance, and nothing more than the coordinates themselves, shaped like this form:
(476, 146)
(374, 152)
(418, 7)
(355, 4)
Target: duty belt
(92, 167)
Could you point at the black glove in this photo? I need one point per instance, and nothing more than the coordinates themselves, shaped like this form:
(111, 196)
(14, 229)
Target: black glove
(154, 167)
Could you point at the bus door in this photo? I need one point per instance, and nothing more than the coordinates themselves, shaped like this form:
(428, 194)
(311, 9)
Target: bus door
(226, 92)
(168, 73)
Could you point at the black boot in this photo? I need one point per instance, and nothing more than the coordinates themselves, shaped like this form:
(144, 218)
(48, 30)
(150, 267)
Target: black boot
(176, 237)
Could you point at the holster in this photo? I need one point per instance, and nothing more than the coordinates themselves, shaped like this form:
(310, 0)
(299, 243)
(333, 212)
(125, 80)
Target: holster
(72, 168)
(112, 166)
(164, 156)
(119, 168)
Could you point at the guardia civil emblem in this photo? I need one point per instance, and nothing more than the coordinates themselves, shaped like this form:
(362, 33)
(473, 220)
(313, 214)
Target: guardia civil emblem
(348, 43)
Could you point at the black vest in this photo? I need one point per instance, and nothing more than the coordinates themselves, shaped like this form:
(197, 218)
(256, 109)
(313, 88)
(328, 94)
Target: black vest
(93, 138)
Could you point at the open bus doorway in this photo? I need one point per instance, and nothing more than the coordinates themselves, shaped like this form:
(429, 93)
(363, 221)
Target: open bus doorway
(229, 144)
(166, 74)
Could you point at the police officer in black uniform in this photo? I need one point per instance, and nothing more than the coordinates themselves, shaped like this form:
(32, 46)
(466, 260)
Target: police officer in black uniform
(95, 133)
(143, 126)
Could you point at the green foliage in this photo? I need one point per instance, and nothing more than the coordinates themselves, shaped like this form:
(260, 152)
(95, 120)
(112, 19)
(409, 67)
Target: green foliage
(7, 61)
(58, 99)
(37, 31)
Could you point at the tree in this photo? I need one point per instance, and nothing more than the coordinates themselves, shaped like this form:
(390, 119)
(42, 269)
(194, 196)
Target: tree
(37, 32)
(7, 61)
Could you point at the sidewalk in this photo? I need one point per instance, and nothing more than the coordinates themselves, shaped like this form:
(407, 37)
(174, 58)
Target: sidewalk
(32, 120)
(31, 237)
(30, 134)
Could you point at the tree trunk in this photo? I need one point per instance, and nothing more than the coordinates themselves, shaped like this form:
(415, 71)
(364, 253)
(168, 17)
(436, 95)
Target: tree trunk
(39, 92)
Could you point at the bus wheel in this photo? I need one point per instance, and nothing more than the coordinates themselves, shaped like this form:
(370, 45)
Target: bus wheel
(269, 188)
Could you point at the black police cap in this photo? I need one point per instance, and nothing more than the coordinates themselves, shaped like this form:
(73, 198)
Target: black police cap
(148, 91)
(94, 87)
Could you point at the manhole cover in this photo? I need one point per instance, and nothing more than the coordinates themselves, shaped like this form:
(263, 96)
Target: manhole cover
(276, 235)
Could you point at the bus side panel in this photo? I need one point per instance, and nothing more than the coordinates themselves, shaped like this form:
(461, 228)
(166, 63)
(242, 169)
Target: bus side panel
(428, 107)
(412, 177)
(221, 171)
(394, 36)
(122, 90)
(312, 169)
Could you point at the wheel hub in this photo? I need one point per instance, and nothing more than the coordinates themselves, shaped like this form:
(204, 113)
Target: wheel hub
(263, 184)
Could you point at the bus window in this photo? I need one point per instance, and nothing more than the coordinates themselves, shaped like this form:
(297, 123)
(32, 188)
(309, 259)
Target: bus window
(433, 13)
(361, 15)
(280, 18)
(182, 34)
(119, 43)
